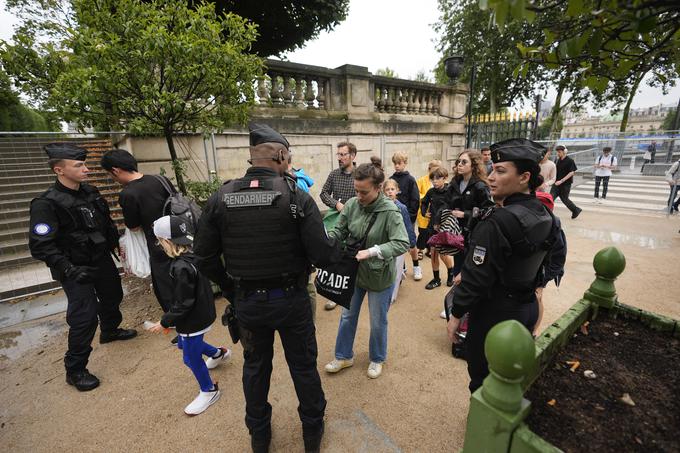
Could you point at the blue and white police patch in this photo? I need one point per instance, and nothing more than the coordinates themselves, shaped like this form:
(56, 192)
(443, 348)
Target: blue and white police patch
(478, 255)
(41, 229)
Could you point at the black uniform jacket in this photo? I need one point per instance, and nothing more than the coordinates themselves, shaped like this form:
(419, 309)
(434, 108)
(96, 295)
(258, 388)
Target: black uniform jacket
(475, 195)
(486, 259)
(319, 249)
(50, 237)
(193, 306)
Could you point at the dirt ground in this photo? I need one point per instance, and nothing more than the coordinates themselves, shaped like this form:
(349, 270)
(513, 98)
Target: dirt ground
(420, 402)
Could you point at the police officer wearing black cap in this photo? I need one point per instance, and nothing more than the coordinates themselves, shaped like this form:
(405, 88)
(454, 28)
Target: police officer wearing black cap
(268, 234)
(507, 249)
(72, 232)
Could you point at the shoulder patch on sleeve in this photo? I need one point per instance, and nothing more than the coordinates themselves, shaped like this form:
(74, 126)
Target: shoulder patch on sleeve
(41, 229)
(478, 255)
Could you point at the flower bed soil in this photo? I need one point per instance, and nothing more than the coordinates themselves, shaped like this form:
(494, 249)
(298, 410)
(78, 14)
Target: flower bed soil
(577, 414)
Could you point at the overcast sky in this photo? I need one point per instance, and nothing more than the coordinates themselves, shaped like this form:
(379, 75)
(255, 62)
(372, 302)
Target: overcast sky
(386, 33)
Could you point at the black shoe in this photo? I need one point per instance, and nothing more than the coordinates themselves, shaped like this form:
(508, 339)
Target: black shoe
(117, 335)
(175, 340)
(82, 380)
(434, 283)
(576, 213)
(312, 440)
(260, 444)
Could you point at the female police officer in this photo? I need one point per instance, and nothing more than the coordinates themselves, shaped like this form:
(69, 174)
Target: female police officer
(506, 252)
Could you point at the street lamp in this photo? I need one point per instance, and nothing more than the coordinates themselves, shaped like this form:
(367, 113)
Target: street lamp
(453, 66)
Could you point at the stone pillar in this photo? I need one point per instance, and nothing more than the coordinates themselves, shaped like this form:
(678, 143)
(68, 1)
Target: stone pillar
(355, 96)
(498, 407)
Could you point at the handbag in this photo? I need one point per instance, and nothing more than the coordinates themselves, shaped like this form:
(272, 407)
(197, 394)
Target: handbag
(337, 281)
(449, 240)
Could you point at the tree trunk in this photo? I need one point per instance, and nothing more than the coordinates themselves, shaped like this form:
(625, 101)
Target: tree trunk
(173, 156)
(631, 95)
(557, 109)
(492, 102)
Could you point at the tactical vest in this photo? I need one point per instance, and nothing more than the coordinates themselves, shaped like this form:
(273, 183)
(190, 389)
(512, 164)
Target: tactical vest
(260, 235)
(90, 233)
(530, 236)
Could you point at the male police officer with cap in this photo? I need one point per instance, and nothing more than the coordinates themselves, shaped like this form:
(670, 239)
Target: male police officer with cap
(506, 254)
(72, 232)
(268, 233)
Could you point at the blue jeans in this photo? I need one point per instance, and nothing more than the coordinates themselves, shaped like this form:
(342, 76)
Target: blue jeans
(378, 305)
(193, 349)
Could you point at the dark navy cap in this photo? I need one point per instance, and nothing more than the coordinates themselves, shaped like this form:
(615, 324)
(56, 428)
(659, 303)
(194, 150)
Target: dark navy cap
(517, 149)
(65, 151)
(261, 133)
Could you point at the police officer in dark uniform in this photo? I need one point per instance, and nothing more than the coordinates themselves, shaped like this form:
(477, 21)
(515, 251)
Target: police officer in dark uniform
(72, 232)
(268, 234)
(507, 249)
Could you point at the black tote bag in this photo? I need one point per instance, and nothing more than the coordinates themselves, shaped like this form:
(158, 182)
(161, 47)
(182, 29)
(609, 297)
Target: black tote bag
(337, 281)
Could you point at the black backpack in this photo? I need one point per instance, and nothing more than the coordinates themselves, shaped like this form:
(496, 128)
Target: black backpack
(180, 205)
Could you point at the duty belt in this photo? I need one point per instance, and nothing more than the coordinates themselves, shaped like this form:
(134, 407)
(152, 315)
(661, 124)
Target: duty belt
(267, 284)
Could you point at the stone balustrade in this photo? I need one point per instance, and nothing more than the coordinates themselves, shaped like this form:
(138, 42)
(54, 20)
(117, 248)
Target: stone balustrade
(354, 93)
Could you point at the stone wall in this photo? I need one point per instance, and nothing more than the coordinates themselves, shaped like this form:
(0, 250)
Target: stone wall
(379, 115)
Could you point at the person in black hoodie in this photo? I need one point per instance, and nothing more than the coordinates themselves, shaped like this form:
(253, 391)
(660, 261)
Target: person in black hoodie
(468, 190)
(192, 311)
(432, 204)
(409, 195)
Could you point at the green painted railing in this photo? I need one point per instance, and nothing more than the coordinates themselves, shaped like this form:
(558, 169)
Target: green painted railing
(497, 409)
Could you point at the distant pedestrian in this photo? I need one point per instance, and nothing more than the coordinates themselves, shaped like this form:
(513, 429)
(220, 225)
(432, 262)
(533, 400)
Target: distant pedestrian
(486, 159)
(339, 186)
(192, 311)
(566, 168)
(548, 172)
(673, 180)
(649, 155)
(604, 164)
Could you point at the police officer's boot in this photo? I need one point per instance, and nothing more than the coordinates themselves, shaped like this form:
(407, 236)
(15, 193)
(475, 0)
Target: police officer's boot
(260, 444)
(82, 380)
(116, 335)
(312, 439)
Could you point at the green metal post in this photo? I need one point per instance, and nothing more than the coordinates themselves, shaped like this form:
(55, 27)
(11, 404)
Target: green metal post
(498, 407)
(609, 263)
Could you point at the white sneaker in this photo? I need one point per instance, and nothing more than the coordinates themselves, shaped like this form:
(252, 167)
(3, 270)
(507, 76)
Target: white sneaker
(374, 370)
(203, 401)
(338, 364)
(417, 273)
(443, 314)
(224, 355)
(330, 305)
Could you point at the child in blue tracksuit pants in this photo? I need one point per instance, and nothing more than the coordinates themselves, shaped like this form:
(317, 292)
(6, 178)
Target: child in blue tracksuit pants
(192, 311)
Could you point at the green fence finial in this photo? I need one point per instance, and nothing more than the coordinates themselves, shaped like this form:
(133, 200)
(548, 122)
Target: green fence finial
(499, 407)
(511, 352)
(609, 263)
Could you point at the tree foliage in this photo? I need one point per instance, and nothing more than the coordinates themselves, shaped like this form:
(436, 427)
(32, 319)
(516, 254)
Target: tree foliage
(466, 30)
(387, 72)
(285, 25)
(15, 116)
(157, 68)
(605, 41)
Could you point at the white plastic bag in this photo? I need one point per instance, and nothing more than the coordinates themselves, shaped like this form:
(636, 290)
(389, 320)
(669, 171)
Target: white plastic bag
(136, 253)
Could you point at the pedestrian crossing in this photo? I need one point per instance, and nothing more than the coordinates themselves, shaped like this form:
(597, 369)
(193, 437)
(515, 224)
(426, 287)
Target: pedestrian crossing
(626, 191)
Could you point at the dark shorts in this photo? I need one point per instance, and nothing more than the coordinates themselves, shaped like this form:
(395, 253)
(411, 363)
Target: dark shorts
(423, 236)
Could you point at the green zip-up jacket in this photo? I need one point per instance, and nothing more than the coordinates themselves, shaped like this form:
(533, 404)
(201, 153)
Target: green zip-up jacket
(388, 232)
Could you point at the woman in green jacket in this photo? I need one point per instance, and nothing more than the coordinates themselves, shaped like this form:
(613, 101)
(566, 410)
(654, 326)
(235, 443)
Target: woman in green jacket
(387, 239)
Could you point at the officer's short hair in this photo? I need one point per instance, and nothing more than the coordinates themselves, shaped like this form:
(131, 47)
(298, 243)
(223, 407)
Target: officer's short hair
(54, 162)
(350, 146)
(119, 158)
